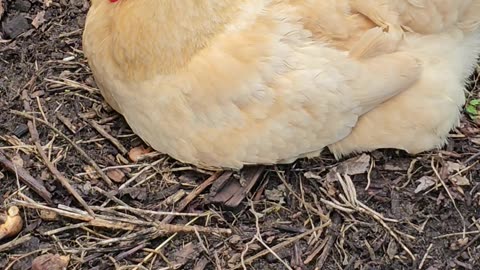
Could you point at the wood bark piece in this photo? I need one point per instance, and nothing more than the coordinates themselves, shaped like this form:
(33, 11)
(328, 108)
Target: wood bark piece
(231, 192)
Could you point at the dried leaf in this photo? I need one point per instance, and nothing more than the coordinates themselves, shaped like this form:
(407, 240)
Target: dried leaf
(47, 3)
(311, 175)
(356, 165)
(48, 215)
(235, 239)
(392, 249)
(39, 19)
(136, 153)
(277, 194)
(454, 167)
(185, 254)
(459, 243)
(425, 183)
(460, 180)
(18, 161)
(116, 175)
(50, 262)
(91, 173)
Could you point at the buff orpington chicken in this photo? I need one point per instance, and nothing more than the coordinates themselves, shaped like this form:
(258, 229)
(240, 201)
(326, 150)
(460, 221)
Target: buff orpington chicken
(228, 83)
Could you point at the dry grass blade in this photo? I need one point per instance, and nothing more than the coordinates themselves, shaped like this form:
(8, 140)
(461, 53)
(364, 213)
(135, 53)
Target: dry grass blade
(350, 198)
(282, 245)
(449, 195)
(72, 84)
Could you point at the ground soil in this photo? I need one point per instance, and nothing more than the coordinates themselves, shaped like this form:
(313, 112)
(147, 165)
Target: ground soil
(414, 204)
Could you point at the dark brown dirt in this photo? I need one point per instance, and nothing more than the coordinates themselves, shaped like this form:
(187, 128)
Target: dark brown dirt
(48, 63)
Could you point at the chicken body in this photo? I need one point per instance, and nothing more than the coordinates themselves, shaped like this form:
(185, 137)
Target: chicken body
(421, 117)
(228, 83)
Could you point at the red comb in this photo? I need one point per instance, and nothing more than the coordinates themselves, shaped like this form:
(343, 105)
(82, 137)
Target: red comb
(113, 1)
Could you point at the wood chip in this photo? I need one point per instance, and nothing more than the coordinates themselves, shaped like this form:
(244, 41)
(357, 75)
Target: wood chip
(39, 19)
(116, 175)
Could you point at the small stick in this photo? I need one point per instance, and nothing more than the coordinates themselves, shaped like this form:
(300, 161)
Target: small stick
(437, 174)
(129, 252)
(472, 158)
(15, 242)
(192, 195)
(109, 137)
(26, 178)
(425, 257)
(78, 148)
(317, 250)
(66, 122)
(191, 229)
(123, 224)
(330, 242)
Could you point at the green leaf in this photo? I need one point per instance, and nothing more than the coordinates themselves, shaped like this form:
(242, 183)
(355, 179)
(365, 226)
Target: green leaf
(472, 110)
(474, 102)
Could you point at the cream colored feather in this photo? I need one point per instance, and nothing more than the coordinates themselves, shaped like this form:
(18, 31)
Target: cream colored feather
(228, 83)
(421, 117)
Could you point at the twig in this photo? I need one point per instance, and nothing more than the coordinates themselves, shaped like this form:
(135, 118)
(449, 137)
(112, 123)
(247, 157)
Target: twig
(96, 222)
(15, 242)
(78, 148)
(331, 241)
(449, 195)
(66, 122)
(456, 234)
(129, 252)
(307, 205)
(283, 244)
(317, 250)
(155, 213)
(192, 195)
(26, 178)
(369, 173)
(121, 223)
(109, 137)
(472, 158)
(425, 257)
(133, 178)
